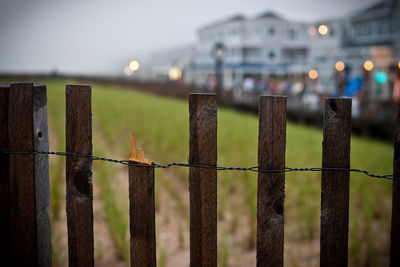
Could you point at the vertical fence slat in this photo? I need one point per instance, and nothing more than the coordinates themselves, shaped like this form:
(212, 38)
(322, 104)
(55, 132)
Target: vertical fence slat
(79, 176)
(395, 232)
(203, 182)
(271, 186)
(29, 177)
(42, 179)
(335, 184)
(142, 216)
(5, 226)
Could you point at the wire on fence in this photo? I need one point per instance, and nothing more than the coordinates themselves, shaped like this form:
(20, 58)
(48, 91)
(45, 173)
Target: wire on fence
(187, 165)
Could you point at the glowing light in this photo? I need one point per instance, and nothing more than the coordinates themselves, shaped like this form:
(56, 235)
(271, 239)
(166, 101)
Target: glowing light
(323, 29)
(381, 77)
(398, 65)
(313, 74)
(175, 73)
(134, 65)
(312, 31)
(128, 71)
(298, 87)
(368, 65)
(339, 66)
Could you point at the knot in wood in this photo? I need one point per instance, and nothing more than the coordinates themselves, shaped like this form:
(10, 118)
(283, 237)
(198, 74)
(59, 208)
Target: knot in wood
(277, 205)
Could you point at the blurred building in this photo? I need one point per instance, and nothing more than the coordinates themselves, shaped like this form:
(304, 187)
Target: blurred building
(325, 51)
(258, 48)
(374, 34)
(268, 53)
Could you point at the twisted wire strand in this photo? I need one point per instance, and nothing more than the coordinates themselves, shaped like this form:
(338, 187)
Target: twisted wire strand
(187, 165)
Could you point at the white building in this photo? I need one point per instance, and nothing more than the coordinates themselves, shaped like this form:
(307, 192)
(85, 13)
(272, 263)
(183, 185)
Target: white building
(260, 47)
(267, 48)
(324, 51)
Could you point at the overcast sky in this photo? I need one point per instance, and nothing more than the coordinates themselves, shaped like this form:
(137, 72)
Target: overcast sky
(100, 37)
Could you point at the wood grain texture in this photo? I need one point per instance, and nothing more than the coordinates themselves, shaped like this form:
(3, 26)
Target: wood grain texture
(79, 176)
(271, 186)
(5, 225)
(29, 176)
(395, 232)
(142, 216)
(203, 182)
(42, 180)
(335, 184)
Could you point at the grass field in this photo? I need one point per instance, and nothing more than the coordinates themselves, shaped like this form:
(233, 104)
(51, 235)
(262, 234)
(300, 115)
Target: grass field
(161, 127)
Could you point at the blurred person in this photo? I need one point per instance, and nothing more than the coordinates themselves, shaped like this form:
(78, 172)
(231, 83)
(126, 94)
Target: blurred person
(274, 87)
(260, 85)
(211, 82)
(354, 85)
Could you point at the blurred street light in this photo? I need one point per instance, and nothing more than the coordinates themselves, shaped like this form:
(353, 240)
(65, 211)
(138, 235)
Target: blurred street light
(381, 77)
(134, 65)
(128, 71)
(368, 65)
(312, 31)
(339, 66)
(175, 73)
(313, 74)
(398, 65)
(323, 29)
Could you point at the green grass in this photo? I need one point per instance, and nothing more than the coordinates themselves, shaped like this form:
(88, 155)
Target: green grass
(161, 126)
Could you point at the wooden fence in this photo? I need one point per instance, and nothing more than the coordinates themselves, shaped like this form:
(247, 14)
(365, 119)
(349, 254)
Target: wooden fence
(24, 182)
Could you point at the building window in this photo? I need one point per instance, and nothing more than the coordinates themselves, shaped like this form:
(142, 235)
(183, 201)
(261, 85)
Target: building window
(271, 55)
(292, 34)
(271, 31)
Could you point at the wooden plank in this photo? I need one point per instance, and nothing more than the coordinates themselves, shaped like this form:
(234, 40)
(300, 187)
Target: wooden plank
(141, 209)
(42, 179)
(335, 184)
(395, 233)
(79, 176)
(142, 215)
(5, 226)
(271, 186)
(29, 177)
(203, 182)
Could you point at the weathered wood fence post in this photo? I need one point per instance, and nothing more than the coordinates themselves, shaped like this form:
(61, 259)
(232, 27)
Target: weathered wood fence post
(271, 186)
(142, 212)
(335, 184)
(5, 225)
(79, 175)
(203, 182)
(395, 234)
(29, 176)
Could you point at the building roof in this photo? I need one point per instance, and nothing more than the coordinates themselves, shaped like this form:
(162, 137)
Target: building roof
(381, 8)
(237, 17)
(269, 15)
